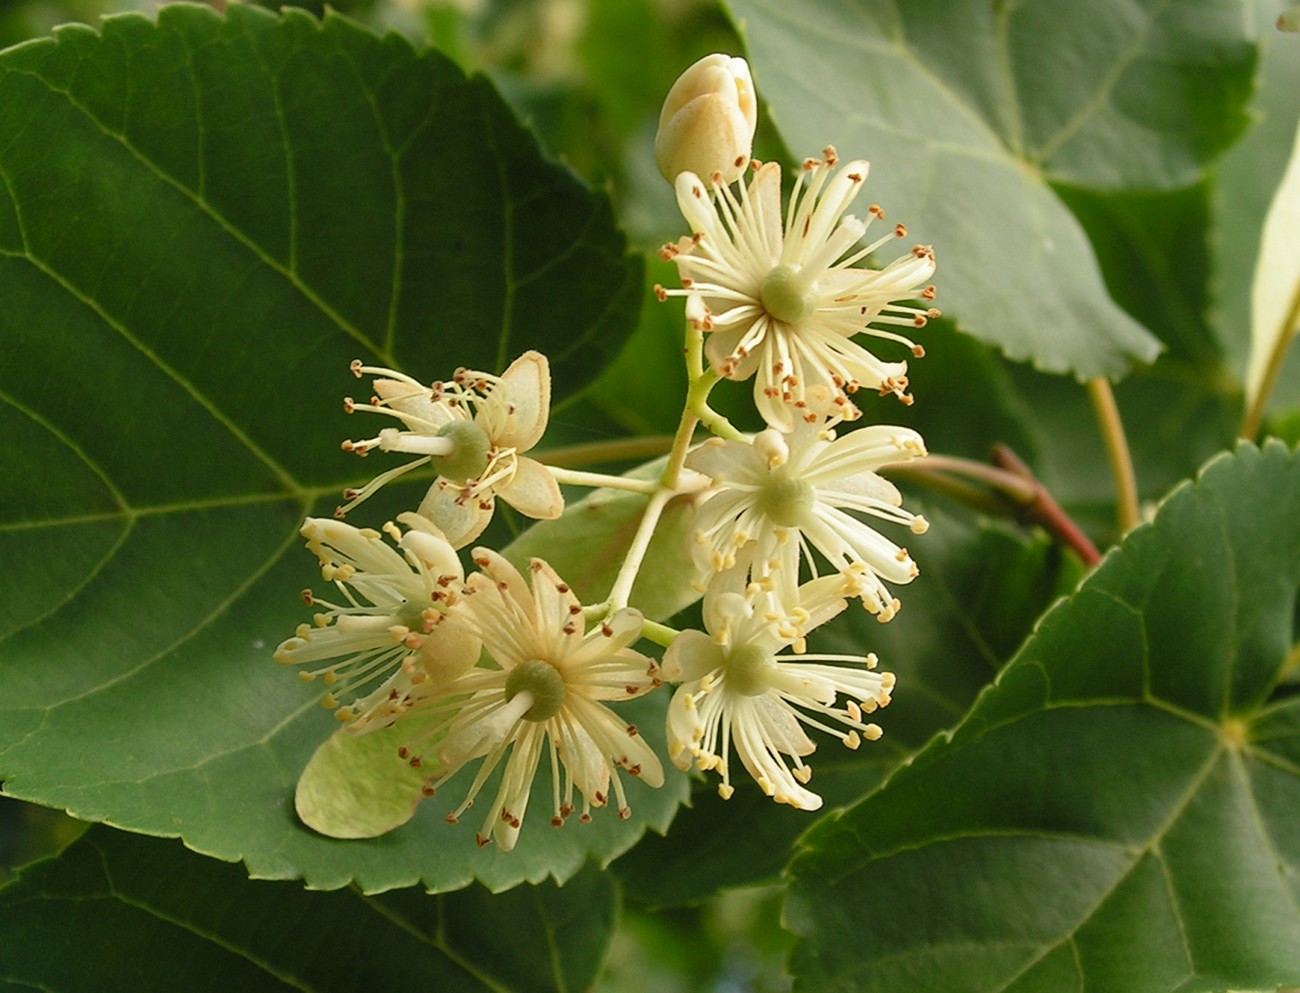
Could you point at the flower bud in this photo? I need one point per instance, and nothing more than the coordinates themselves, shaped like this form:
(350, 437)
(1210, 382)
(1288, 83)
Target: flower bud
(707, 124)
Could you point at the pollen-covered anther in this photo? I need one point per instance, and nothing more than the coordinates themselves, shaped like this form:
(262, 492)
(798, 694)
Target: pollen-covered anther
(900, 230)
(929, 293)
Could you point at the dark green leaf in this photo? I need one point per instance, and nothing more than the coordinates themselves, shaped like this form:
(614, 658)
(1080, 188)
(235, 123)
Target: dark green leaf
(970, 110)
(1117, 811)
(202, 221)
(116, 912)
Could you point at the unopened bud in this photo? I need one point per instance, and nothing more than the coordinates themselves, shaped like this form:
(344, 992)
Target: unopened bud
(707, 124)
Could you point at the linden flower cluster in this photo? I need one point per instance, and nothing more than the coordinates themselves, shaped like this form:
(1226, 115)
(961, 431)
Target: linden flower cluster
(498, 664)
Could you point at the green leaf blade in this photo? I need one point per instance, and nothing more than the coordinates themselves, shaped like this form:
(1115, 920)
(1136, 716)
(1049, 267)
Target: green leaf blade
(1118, 788)
(202, 221)
(151, 915)
(969, 112)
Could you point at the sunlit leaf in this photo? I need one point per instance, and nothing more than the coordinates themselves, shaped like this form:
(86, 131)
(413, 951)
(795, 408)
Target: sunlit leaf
(1275, 293)
(970, 111)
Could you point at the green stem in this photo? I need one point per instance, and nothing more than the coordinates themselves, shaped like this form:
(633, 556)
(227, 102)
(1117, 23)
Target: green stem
(1117, 452)
(661, 634)
(621, 591)
(574, 477)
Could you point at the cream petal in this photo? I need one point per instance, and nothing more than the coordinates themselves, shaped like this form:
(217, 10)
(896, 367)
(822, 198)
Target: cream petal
(691, 656)
(523, 397)
(533, 491)
(460, 520)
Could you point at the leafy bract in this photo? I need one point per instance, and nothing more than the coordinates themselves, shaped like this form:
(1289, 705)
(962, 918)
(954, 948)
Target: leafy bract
(1118, 810)
(151, 916)
(969, 111)
(202, 221)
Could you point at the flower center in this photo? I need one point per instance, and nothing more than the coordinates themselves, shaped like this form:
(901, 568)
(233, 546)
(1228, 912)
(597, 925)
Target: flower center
(785, 499)
(469, 455)
(544, 682)
(788, 294)
(745, 667)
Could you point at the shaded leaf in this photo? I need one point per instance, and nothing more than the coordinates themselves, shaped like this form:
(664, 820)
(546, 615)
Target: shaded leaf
(120, 912)
(1117, 810)
(969, 111)
(201, 222)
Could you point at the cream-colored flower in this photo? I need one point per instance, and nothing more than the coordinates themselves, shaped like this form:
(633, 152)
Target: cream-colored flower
(708, 120)
(474, 430)
(783, 301)
(393, 629)
(545, 697)
(735, 690)
(785, 492)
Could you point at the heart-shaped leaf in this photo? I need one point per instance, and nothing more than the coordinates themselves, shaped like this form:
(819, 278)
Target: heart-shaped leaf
(202, 221)
(969, 112)
(1118, 810)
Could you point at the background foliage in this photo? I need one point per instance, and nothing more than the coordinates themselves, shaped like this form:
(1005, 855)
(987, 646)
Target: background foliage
(206, 215)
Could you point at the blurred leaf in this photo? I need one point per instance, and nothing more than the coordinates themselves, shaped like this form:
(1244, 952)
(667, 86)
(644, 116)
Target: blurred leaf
(1275, 293)
(1245, 182)
(981, 589)
(970, 110)
(120, 912)
(1118, 810)
(202, 222)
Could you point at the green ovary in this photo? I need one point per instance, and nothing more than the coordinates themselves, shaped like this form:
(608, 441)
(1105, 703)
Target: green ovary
(788, 295)
(469, 457)
(544, 682)
(745, 666)
(785, 499)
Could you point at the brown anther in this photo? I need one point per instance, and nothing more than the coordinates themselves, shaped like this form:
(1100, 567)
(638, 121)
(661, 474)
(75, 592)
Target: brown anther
(569, 628)
(918, 351)
(557, 821)
(687, 282)
(574, 609)
(830, 155)
(414, 762)
(562, 587)
(876, 211)
(427, 789)
(355, 367)
(634, 770)
(856, 177)
(606, 630)
(697, 192)
(928, 293)
(900, 231)
(482, 841)
(934, 312)
(632, 732)
(308, 599)
(920, 321)
(349, 405)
